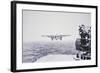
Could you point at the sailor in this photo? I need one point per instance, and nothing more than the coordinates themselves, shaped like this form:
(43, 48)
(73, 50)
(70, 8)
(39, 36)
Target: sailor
(83, 34)
(89, 40)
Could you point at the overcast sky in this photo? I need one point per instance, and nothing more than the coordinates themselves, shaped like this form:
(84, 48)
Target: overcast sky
(37, 23)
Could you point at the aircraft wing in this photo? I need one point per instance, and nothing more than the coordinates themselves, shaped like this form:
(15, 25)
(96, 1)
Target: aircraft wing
(46, 35)
(65, 35)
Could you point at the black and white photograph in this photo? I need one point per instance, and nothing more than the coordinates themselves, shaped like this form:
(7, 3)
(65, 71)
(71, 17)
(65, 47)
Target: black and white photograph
(53, 36)
(56, 36)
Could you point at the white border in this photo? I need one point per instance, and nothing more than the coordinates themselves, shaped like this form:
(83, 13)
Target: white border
(55, 64)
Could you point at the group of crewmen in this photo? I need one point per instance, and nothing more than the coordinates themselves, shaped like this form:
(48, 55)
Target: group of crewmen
(85, 41)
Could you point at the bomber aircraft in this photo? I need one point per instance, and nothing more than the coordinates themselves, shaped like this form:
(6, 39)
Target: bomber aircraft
(55, 37)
